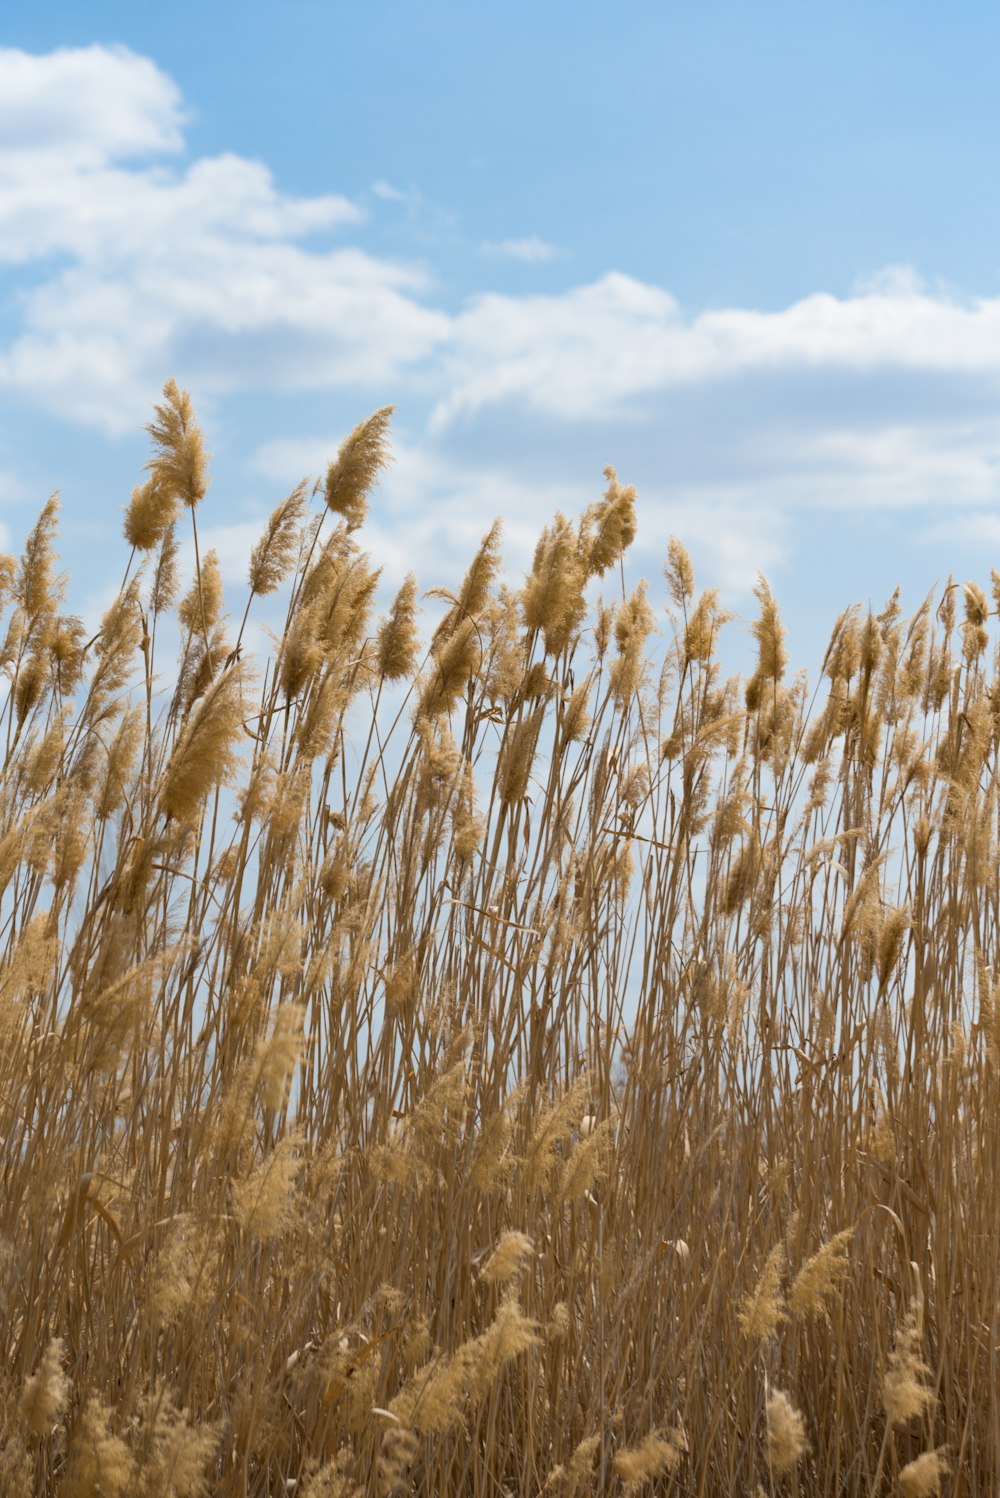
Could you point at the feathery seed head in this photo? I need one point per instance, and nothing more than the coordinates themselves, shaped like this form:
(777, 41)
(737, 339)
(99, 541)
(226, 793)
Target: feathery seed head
(517, 757)
(206, 754)
(552, 598)
(274, 554)
(455, 660)
(263, 1201)
(166, 577)
(768, 630)
(149, 515)
(278, 1054)
(608, 527)
(35, 587)
(559, 1322)
(703, 626)
(679, 573)
(173, 1453)
(634, 623)
(786, 1434)
(905, 1391)
(762, 1310)
(587, 1162)
(820, 1280)
(509, 1259)
(469, 827)
(658, 1455)
(66, 651)
(474, 595)
(397, 638)
(576, 719)
(921, 1478)
(975, 636)
(98, 1461)
(947, 606)
(179, 465)
(201, 608)
(44, 1395)
(8, 572)
(356, 469)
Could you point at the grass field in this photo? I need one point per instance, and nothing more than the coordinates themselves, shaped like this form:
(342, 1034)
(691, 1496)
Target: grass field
(512, 1058)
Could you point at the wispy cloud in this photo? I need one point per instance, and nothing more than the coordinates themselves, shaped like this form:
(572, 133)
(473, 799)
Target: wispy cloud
(84, 106)
(975, 528)
(211, 266)
(592, 350)
(407, 197)
(532, 251)
(199, 269)
(128, 260)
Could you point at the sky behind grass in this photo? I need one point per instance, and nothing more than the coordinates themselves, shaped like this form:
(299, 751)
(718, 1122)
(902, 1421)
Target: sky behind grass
(747, 254)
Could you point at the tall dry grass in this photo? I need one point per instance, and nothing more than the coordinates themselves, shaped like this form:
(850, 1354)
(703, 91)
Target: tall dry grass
(530, 1064)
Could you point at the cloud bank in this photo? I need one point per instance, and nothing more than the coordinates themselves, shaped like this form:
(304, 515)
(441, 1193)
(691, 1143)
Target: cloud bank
(125, 260)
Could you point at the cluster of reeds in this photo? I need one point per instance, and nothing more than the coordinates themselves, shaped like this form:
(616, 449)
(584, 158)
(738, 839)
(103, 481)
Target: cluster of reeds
(533, 1063)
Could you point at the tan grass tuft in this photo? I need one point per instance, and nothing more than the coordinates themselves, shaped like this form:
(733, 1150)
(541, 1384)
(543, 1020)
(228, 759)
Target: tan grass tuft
(762, 1310)
(820, 1280)
(98, 1460)
(609, 527)
(357, 467)
(508, 1260)
(656, 1456)
(553, 599)
(905, 1391)
(150, 514)
(173, 1454)
(922, 1477)
(263, 1202)
(274, 554)
(338, 1002)
(205, 757)
(179, 466)
(679, 573)
(786, 1435)
(45, 1393)
(278, 1054)
(397, 639)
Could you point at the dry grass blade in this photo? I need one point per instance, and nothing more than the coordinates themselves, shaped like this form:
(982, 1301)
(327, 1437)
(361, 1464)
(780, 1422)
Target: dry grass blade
(455, 1078)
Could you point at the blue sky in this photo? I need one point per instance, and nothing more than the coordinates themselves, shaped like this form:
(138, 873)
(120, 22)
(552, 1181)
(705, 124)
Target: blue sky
(748, 254)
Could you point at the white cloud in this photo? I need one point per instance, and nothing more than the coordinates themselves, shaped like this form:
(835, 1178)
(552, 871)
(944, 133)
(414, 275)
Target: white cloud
(83, 106)
(532, 251)
(387, 192)
(196, 271)
(128, 261)
(225, 316)
(902, 466)
(203, 269)
(891, 280)
(973, 529)
(570, 354)
(288, 459)
(408, 197)
(595, 349)
(114, 217)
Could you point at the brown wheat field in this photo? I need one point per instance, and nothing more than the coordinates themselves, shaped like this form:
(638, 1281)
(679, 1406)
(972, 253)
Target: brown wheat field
(508, 1057)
